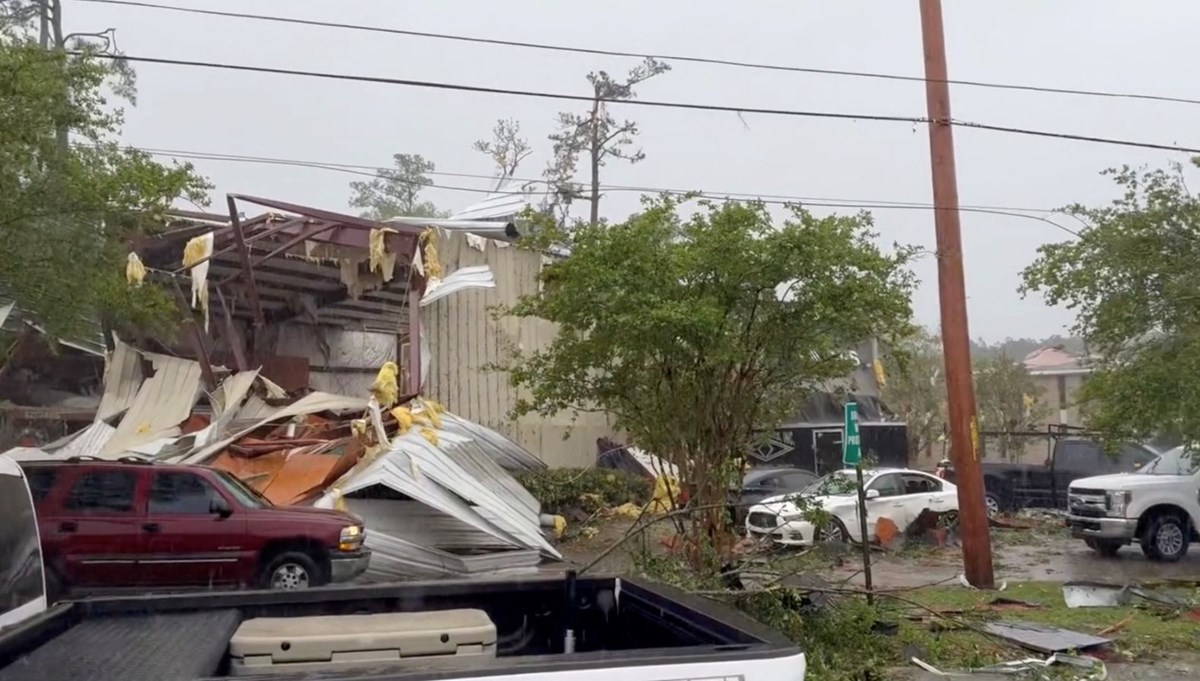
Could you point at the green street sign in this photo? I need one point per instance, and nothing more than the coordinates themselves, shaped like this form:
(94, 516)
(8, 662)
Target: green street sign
(851, 445)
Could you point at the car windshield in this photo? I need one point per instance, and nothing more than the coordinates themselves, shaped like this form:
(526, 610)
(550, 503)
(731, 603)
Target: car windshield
(1178, 461)
(836, 484)
(247, 495)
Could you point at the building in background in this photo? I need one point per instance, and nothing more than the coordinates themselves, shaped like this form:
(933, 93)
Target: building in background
(1060, 375)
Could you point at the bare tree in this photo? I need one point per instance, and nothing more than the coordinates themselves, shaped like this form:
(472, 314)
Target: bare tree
(597, 135)
(507, 149)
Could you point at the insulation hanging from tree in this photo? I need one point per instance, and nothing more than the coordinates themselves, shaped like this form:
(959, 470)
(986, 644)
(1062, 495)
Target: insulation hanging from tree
(197, 250)
(135, 271)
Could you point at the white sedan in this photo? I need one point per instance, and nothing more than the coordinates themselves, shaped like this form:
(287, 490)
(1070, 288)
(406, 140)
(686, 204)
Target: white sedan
(900, 495)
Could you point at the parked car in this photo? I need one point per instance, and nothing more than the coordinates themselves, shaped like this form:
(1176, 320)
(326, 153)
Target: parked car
(900, 495)
(763, 483)
(563, 627)
(131, 524)
(1158, 507)
(1014, 486)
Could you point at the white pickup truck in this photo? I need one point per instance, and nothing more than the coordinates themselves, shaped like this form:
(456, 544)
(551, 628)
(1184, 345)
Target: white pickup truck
(1157, 506)
(537, 629)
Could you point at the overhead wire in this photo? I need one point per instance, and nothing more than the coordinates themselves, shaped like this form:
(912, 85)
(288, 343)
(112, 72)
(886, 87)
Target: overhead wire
(769, 199)
(740, 110)
(640, 55)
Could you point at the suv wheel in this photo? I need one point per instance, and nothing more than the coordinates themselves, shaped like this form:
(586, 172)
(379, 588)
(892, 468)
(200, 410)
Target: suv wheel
(1165, 538)
(992, 503)
(292, 571)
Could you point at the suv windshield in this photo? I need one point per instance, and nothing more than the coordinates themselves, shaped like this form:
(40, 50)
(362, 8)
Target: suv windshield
(1178, 461)
(247, 495)
(836, 484)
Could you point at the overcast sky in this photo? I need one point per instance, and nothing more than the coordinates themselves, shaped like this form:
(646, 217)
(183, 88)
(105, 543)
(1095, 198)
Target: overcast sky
(1144, 47)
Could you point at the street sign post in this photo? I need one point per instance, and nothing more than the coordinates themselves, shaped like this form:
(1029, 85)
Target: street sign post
(851, 444)
(852, 456)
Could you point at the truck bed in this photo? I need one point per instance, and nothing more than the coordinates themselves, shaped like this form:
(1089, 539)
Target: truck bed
(617, 623)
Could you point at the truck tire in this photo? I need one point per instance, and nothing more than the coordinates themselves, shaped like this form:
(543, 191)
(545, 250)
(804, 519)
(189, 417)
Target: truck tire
(1165, 538)
(1106, 548)
(993, 504)
(292, 571)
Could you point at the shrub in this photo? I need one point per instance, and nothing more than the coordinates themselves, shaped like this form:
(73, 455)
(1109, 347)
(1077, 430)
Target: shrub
(562, 490)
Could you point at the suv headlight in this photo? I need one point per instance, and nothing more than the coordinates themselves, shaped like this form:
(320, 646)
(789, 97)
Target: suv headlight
(350, 538)
(1116, 502)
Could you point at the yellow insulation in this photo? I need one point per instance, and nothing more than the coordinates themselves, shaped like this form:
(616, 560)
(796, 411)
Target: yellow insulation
(404, 419)
(433, 266)
(135, 271)
(385, 389)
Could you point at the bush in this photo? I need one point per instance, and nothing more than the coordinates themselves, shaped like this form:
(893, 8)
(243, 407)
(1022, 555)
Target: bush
(562, 490)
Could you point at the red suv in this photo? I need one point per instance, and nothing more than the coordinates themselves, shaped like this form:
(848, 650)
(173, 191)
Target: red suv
(134, 524)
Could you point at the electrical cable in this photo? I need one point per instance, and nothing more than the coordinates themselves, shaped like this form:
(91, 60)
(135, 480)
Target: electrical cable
(635, 102)
(768, 199)
(638, 55)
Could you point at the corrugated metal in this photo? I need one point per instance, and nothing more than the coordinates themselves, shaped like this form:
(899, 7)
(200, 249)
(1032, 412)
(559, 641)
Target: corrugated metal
(507, 202)
(232, 392)
(240, 426)
(464, 338)
(88, 442)
(422, 525)
(458, 280)
(122, 380)
(164, 401)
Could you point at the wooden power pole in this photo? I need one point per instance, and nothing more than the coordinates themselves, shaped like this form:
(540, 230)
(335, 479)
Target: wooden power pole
(952, 295)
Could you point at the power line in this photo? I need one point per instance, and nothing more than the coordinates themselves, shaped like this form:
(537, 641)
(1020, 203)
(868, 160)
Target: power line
(638, 55)
(771, 199)
(380, 80)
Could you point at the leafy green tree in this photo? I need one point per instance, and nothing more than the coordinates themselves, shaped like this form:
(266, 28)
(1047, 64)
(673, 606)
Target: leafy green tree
(68, 212)
(696, 333)
(396, 192)
(915, 388)
(1132, 280)
(596, 135)
(1007, 400)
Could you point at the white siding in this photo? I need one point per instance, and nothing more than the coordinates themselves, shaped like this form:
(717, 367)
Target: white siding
(464, 339)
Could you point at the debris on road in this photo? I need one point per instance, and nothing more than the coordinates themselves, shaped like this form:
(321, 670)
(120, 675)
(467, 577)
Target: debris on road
(1043, 638)
(1094, 670)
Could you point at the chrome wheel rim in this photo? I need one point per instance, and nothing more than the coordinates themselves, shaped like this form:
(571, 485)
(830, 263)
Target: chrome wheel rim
(948, 520)
(832, 532)
(993, 506)
(1169, 539)
(289, 577)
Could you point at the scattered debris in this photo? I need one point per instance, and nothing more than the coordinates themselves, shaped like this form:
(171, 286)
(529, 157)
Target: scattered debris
(1096, 671)
(1002, 603)
(1102, 595)
(1042, 638)
(1095, 595)
(1114, 628)
(962, 579)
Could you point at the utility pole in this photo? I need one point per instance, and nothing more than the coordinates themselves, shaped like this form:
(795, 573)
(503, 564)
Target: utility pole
(952, 295)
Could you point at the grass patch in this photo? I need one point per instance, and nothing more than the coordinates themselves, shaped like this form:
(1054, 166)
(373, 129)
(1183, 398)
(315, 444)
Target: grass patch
(1151, 631)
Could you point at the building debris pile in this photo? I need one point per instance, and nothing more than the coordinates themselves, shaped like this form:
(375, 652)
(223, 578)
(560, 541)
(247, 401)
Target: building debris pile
(437, 492)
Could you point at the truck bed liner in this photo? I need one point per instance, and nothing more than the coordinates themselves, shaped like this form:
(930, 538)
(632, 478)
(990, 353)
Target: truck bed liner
(145, 647)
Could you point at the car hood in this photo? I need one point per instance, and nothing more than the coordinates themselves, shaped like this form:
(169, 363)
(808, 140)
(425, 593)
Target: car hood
(784, 504)
(308, 514)
(1125, 481)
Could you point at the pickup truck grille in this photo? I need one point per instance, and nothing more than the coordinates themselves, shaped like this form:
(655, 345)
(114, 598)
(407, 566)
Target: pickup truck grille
(1087, 503)
(767, 521)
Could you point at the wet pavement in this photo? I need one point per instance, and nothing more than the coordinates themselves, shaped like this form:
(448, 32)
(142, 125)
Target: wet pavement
(1061, 560)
